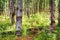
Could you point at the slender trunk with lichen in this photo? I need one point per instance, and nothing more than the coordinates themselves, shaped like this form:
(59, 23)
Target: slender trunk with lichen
(28, 7)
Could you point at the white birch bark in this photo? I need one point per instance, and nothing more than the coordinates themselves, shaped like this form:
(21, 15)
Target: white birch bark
(19, 17)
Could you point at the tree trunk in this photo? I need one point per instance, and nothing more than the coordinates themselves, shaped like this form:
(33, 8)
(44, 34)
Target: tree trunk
(40, 6)
(52, 10)
(28, 7)
(35, 6)
(12, 11)
(1, 7)
(6, 8)
(19, 17)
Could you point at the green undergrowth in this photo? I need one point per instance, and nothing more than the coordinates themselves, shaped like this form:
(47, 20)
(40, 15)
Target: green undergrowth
(7, 31)
(40, 20)
(35, 21)
(46, 36)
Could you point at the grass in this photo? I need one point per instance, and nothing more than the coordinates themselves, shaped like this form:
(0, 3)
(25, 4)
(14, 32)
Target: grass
(40, 20)
(5, 27)
(37, 20)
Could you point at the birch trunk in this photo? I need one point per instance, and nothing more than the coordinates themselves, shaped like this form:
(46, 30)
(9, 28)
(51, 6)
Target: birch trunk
(19, 17)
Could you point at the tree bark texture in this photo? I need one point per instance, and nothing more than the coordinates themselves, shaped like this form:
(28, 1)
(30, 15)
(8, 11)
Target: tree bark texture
(52, 10)
(19, 17)
(12, 12)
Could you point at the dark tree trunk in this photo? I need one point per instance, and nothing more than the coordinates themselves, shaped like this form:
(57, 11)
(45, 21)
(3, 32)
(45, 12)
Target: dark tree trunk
(52, 10)
(12, 12)
(35, 6)
(40, 6)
